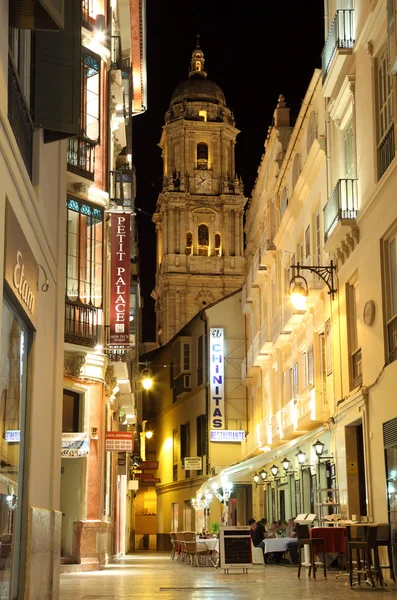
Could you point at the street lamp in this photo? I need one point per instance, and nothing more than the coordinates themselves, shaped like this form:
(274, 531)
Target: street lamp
(319, 448)
(263, 475)
(286, 463)
(299, 289)
(147, 379)
(144, 435)
(274, 470)
(300, 455)
(256, 478)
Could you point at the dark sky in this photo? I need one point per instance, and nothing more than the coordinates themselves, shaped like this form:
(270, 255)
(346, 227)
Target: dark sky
(254, 50)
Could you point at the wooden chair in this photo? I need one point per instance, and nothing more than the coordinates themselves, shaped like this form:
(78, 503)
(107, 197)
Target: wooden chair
(383, 538)
(174, 545)
(179, 538)
(305, 539)
(196, 552)
(363, 541)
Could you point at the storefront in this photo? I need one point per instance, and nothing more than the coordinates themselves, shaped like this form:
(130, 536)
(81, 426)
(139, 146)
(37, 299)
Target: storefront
(19, 308)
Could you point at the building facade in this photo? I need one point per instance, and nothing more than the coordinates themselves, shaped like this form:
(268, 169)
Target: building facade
(197, 411)
(199, 215)
(102, 302)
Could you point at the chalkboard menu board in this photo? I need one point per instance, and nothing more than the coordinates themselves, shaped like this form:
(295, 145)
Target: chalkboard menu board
(235, 547)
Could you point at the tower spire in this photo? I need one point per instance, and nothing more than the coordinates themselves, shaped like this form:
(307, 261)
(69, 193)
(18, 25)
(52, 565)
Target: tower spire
(197, 62)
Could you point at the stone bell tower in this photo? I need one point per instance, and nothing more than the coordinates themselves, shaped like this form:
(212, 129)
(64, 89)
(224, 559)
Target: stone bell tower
(199, 215)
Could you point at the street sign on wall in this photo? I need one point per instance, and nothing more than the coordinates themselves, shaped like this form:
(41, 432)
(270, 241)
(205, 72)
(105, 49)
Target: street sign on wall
(193, 463)
(149, 465)
(119, 441)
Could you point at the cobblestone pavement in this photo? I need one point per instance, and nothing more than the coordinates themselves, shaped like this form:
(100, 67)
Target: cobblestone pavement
(153, 576)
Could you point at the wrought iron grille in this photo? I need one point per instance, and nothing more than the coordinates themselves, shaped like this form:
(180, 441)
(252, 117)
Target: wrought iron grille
(386, 151)
(19, 118)
(81, 324)
(342, 204)
(81, 157)
(341, 35)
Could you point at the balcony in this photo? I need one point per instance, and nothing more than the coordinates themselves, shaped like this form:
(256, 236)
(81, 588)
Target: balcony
(81, 324)
(88, 14)
(340, 214)
(338, 47)
(81, 157)
(268, 250)
(290, 419)
(311, 409)
(19, 118)
(386, 151)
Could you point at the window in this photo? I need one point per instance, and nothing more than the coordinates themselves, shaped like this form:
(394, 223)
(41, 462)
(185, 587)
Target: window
(81, 149)
(384, 96)
(189, 243)
(304, 370)
(185, 443)
(389, 256)
(70, 412)
(175, 453)
(217, 244)
(83, 272)
(296, 169)
(202, 155)
(201, 439)
(203, 240)
(186, 357)
(84, 253)
(355, 364)
(348, 151)
(307, 242)
(318, 239)
(200, 363)
(283, 202)
(203, 115)
(311, 131)
(20, 47)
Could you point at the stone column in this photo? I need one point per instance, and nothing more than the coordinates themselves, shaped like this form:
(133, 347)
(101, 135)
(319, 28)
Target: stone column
(195, 236)
(171, 231)
(177, 232)
(165, 233)
(212, 236)
(226, 232)
(241, 230)
(236, 236)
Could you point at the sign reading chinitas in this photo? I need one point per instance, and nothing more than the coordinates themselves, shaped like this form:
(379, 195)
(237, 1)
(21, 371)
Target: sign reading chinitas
(120, 280)
(217, 397)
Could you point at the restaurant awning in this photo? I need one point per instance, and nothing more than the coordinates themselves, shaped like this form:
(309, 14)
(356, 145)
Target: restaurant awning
(242, 472)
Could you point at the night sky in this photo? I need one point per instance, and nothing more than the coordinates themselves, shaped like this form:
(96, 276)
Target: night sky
(254, 51)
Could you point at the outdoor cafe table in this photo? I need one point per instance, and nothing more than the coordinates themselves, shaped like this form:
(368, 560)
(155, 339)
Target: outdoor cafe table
(334, 541)
(211, 544)
(277, 544)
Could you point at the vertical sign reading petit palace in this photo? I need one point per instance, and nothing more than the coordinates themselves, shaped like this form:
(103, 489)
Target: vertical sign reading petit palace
(20, 266)
(120, 280)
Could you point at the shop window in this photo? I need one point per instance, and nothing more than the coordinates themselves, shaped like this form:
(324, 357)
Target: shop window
(203, 240)
(189, 243)
(202, 155)
(218, 245)
(13, 382)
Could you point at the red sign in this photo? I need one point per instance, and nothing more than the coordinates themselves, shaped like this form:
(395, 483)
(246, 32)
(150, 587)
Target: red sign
(151, 481)
(119, 441)
(149, 465)
(120, 280)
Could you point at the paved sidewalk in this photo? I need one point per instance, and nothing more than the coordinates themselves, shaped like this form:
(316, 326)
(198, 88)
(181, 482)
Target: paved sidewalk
(153, 576)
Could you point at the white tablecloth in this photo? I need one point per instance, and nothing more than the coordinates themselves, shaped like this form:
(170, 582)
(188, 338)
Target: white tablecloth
(210, 544)
(277, 544)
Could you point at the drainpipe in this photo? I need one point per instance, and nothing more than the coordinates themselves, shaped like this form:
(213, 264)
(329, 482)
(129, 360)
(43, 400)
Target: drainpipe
(207, 392)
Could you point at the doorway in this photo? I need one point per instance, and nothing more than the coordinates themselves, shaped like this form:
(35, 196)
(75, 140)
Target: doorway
(355, 470)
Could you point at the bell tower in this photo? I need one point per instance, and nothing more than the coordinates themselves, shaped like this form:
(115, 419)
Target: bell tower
(199, 214)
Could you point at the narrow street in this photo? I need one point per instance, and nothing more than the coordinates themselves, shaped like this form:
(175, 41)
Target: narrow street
(152, 576)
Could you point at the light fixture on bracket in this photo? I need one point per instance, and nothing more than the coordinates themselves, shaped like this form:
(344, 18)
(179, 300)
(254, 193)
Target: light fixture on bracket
(319, 449)
(298, 287)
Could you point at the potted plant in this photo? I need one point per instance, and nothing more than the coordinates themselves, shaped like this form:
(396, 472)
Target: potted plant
(214, 528)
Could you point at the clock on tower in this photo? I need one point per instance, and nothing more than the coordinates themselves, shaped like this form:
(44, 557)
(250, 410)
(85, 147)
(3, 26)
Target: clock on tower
(203, 182)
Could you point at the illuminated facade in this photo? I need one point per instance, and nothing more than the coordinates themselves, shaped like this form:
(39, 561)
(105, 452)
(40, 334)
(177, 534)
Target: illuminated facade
(199, 218)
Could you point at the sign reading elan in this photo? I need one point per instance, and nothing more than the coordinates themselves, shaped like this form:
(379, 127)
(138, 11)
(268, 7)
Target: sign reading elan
(217, 404)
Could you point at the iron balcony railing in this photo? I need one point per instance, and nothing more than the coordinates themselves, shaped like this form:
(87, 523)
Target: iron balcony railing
(19, 118)
(121, 187)
(341, 35)
(81, 157)
(392, 338)
(81, 324)
(386, 151)
(342, 204)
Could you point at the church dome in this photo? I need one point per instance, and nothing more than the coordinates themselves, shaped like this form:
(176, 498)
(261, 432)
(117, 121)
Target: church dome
(198, 89)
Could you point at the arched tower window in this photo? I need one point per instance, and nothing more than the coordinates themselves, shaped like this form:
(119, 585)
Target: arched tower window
(203, 240)
(217, 244)
(202, 155)
(189, 243)
(198, 65)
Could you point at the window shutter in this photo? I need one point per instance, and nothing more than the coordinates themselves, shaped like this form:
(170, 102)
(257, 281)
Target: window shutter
(183, 441)
(57, 77)
(37, 14)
